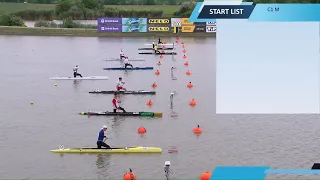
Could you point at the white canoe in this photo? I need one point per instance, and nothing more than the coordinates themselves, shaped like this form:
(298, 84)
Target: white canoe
(81, 78)
(160, 45)
(118, 59)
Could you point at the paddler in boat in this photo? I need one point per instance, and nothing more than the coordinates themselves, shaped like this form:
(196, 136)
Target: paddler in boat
(126, 63)
(152, 45)
(101, 137)
(156, 51)
(159, 41)
(120, 84)
(116, 104)
(75, 72)
(121, 54)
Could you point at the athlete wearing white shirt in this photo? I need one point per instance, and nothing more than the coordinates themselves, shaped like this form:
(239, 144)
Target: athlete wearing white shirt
(120, 84)
(75, 72)
(126, 63)
(121, 54)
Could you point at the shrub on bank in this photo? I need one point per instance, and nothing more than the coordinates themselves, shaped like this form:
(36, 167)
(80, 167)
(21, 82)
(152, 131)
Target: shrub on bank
(35, 14)
(43, 23)
(6, 20)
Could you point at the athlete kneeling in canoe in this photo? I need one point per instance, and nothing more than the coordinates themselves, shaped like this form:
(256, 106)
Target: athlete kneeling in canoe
(126, 63)
(101, 137)
(156, 51)
(116, 105)
(120, 85)
(75, 72)
(159, 42)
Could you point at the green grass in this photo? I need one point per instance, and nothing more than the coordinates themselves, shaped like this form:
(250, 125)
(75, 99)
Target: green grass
(8, 8)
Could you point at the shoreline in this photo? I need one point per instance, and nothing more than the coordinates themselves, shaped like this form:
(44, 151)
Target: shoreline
(42, 31)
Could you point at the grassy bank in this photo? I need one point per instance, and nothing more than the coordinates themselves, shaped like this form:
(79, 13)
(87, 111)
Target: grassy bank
(9, 30)
(8, 8)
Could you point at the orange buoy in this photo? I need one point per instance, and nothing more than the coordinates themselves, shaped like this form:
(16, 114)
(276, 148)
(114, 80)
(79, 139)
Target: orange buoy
(149, 103)
(177, 41)
(157, 73)
(182, 42)
(159, 63)
(184, 56)
(188, 73)
(154, 85)
(161, 56)
(164, 46)
(193, 102)
(186, 63)
(142, 130)
(190, 85)
(182, 46)
(165, 42)
(162, 50)
(197, 130)
(205, 176)
(184, 51)
(129, 175)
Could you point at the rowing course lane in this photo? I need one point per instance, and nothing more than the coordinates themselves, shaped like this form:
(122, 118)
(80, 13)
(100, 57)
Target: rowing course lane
(27, 133)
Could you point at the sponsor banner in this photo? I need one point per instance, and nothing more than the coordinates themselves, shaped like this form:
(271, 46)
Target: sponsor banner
(211, 24)
(132, 28)
(111, 21)
(160, 21)
(159, 29)
(176, 22)
(184, 22)
(193, 28)
(105, 28)
(211, 29)
(134, 21)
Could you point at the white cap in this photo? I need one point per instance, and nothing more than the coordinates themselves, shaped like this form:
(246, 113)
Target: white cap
(167, 163)
(104, 126)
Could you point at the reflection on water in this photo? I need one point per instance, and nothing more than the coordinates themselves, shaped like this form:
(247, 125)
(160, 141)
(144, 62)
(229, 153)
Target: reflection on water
(103, 164)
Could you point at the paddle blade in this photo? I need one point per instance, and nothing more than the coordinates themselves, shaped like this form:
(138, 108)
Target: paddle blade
(316, 166)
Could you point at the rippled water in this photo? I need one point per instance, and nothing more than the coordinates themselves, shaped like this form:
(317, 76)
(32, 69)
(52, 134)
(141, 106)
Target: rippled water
(28, 132)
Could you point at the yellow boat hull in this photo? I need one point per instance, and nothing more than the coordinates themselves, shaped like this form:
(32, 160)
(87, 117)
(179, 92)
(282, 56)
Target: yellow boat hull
(138, 149)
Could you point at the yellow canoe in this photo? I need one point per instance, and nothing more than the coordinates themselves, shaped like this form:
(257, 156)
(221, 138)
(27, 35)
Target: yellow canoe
(137, 149)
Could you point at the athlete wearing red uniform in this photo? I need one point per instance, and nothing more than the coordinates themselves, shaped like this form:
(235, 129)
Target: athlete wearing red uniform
(116, 105)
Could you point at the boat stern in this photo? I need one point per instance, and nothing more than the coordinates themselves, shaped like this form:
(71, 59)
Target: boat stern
(157, 114)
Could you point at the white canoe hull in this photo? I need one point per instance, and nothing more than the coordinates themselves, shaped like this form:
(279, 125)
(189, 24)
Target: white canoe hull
(160, 45)
(81, 78)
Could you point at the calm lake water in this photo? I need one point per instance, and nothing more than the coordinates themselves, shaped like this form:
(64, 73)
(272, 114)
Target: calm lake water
(28, 132)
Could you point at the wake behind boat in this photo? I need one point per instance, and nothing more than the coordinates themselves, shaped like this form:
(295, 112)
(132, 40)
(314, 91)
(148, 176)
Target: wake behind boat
(123, 92)
(143, 114)
(134, 68)
(161, 45)
(118, 59)
(153, 48)
(80, 78)
(161, 53)
(137, 149)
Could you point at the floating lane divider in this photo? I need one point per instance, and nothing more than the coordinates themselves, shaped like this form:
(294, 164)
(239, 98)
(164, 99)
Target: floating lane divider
(135, 68)
(143, 114)
(256, 172)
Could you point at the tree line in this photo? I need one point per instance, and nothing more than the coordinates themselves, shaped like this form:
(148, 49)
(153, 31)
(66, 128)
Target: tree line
(109, 2)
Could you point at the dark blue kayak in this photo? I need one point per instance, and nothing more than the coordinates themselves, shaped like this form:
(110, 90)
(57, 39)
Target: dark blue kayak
(129, 68)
